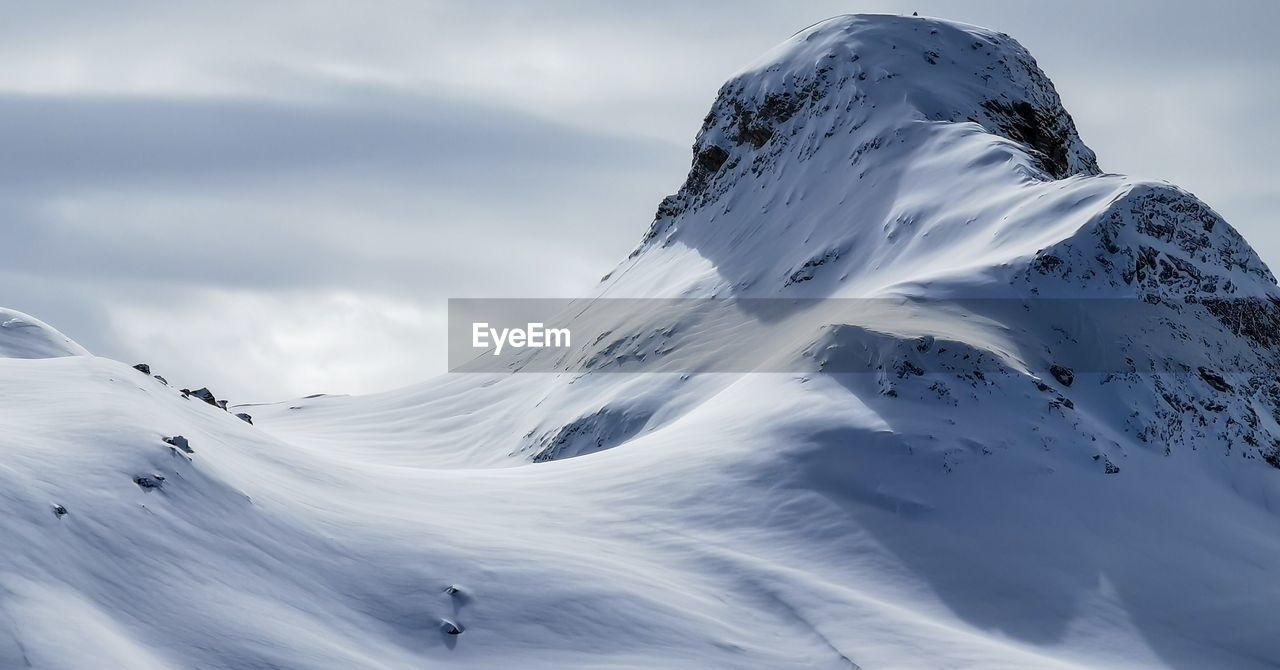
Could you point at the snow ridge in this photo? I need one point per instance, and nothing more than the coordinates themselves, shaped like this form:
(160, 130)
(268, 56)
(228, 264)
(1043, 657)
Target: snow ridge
(23, 336)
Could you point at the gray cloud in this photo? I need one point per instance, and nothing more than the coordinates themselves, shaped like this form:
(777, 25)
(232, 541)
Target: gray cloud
(267, 194)
(63, 142)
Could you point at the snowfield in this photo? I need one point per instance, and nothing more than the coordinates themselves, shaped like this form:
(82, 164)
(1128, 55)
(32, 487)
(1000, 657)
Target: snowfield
(972, 503)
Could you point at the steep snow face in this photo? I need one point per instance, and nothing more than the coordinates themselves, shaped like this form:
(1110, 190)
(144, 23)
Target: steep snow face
(973, 502)
(22, 336)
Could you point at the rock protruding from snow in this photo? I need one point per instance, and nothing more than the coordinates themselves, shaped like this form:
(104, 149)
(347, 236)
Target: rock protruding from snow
(23, 336)
(180, 442)
(149, 482)
(600, 430)
(206, 395)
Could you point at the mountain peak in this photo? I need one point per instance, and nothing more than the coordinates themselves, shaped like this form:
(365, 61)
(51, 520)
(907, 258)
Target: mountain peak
(907, 68)
(870, 77)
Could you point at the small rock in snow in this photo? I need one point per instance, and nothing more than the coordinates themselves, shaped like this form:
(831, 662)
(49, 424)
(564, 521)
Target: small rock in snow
(147, 482)
(245, 418)
(143, 368)
(1215, 380)
(59, 510)
(180, 442)
(206, 395)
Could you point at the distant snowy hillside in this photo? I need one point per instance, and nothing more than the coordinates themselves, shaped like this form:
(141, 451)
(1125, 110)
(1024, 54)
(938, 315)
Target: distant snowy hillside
(979, 499)
(22, 336)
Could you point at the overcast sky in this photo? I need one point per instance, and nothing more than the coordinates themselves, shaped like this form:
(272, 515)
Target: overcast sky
(276, 199)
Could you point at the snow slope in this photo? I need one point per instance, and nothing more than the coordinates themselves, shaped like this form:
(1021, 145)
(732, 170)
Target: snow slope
(969, 503)
(22, 336)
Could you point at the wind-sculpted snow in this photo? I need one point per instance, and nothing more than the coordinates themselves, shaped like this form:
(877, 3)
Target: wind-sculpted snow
(983, 494)
(22, 336)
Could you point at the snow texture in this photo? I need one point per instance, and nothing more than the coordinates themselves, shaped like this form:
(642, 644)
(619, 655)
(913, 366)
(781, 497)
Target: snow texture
(937, 514)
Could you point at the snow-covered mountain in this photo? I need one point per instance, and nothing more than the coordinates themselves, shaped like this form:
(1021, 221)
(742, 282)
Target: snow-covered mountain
(976, 499)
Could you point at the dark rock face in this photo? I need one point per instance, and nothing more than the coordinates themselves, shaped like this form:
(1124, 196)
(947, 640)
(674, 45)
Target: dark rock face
(1043, 131)
(750, 125)
(1037, 121)
(143, 368)
(1064, 375)
(809, 269)
(1215, 380)
(705, 165)
(710, 160)
(755, 125)
(602, 430)
(1166, 241)
(245, 418)
(1256, 319)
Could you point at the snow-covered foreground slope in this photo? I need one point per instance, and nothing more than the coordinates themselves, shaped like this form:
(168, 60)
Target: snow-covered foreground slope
(971, 503)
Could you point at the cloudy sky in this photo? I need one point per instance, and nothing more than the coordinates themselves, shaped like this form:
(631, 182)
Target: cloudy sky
(275, 199)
